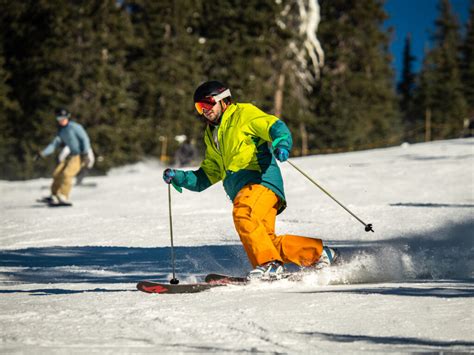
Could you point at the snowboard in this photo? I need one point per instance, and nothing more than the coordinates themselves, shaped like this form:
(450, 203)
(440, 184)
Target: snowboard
(159, 287)
(50, 202)
(60, 204)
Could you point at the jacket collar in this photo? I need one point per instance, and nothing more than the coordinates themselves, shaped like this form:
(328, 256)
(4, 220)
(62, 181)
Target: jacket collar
(228, 112)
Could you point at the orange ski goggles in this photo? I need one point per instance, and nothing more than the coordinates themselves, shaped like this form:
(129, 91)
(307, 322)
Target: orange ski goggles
(207, 105)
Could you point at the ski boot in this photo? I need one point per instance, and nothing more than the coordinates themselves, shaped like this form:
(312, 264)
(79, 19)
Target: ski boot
(328, 258)
(272, 270)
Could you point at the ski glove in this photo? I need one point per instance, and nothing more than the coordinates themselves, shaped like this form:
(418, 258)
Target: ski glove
(281, 154)
(64, 154)
(168, 175)
(88, 159)
(37, 157)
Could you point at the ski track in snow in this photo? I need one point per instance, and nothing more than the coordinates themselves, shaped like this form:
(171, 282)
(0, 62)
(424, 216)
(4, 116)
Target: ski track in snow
(67, 276)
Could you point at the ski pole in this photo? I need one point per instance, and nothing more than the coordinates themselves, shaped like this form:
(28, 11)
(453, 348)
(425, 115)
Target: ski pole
(174, 280)
(368, 227)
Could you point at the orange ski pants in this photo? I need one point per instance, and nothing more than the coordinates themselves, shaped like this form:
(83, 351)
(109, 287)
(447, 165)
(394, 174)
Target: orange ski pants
(255, 210)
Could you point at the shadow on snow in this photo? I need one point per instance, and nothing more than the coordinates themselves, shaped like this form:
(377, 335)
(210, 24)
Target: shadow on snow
(460, 291)
(444, 254)
(433, 205)
(404, 341)
(116, 264)
(60, 291)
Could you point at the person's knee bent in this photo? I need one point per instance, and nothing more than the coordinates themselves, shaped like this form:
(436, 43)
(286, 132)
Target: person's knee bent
(243, 220)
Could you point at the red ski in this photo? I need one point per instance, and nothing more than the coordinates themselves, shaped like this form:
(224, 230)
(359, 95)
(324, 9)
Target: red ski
(212, 280)
(221, 279)
(159, 287)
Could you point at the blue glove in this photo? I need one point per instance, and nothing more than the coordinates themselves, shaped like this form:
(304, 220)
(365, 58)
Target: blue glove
(168, 175)
(281, 154)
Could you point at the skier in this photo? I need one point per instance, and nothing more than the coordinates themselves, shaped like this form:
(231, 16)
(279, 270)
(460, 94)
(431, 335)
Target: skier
(74, 136)
(237, 152)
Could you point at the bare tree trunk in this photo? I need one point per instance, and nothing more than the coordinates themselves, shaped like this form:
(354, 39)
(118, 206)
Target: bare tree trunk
(428, 125)
(164, 148)
(304, 139)
(279, 95)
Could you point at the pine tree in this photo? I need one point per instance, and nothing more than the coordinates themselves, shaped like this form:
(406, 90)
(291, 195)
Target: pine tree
(298, 68)
(127, 71)
(257, 52)
(423, 101)
(440, 90)
(9, 111)
(406, 88)
(356, 101)
(185, 43)
(180, 71)
(71, 55)
(467, 62)
(166, 69)
(23, 27)
(242, 44)
(106, 102)
(90, 45)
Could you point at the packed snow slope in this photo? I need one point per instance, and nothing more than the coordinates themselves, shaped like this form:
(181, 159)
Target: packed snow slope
(68, 275)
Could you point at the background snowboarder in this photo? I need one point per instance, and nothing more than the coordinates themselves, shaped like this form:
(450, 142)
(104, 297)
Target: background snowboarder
(237, 152)
(74, 136)
(65, 152)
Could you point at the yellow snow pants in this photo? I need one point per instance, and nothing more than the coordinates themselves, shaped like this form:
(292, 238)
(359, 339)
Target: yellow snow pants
(255, 210)
(64, 174)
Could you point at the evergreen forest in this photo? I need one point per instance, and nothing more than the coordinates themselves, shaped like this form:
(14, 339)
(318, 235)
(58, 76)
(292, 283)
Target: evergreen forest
(127, 71)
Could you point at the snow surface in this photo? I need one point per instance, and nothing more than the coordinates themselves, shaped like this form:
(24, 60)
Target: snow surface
(67, 276)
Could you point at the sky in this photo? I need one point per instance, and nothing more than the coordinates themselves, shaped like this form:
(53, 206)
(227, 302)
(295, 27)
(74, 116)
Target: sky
(416, 17)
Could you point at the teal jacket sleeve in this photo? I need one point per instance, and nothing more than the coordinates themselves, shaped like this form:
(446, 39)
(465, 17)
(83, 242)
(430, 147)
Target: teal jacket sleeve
(85, 144)
(51, 147)
(281, 136)
(192, 180)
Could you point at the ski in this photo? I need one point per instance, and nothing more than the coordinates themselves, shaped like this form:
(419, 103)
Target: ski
(222, 279)
(214, 280)
(159, 287)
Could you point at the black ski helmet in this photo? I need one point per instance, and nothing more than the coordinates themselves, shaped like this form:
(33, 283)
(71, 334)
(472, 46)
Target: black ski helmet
(211, 89)
(62, 113)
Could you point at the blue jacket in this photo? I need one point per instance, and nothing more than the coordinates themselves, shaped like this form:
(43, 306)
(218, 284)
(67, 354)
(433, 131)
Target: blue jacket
(74, 136)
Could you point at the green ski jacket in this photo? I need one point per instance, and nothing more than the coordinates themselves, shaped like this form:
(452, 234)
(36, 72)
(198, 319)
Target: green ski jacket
(238, 153)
